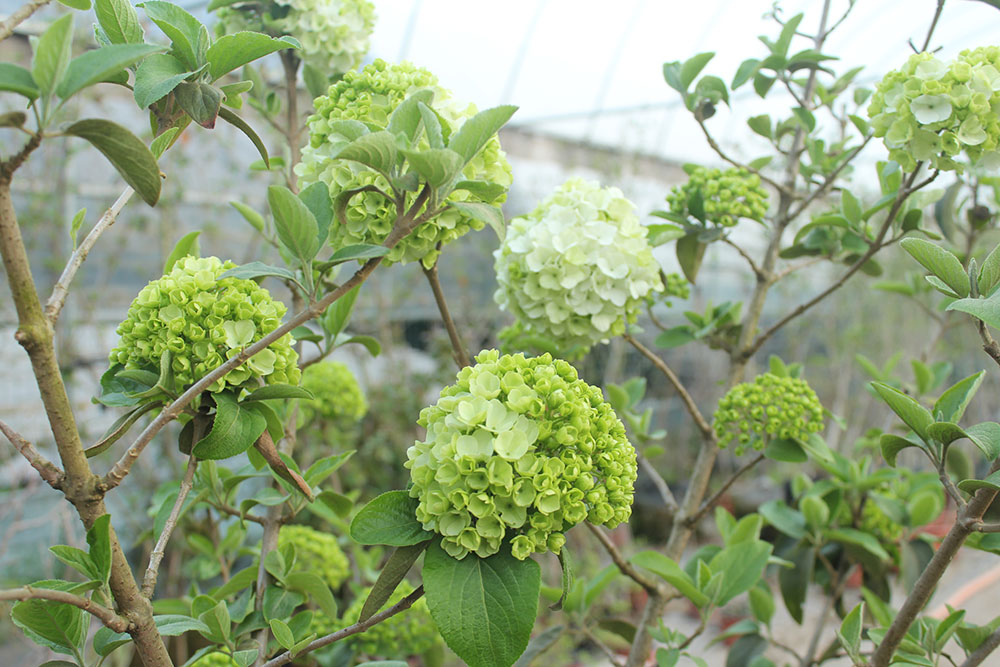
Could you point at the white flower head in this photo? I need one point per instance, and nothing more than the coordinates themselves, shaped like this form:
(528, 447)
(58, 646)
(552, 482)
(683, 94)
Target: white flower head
(929, 109)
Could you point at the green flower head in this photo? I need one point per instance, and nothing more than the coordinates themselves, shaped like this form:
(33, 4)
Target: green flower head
(370, 96)
(932, 111)
(334, 34)
(726, 195)
(201, 322)
(337, 397)
(316, 552)
(215, 659)
(519, 448)
(771, 407)
(577, 268)
(397, 638)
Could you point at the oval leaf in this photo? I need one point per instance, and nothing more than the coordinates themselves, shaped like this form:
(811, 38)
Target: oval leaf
(389, 519)
(125, 151)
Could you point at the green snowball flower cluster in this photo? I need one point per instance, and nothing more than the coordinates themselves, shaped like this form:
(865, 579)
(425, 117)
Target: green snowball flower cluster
(727, 195)
(370, 96)
(202, 321)
(317, 552)
(930, 111)
(397, 638)
(337, 397)
(334, 34)
(215, 659)
(577, 268)
(769, 407)
(519, 448)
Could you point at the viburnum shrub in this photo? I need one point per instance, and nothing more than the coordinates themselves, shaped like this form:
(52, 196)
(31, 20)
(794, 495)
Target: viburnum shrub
(519, 449)
(932, 111)
(255, 554)
(578, 267)
(192, 321)
(769, 408)
(370, 96)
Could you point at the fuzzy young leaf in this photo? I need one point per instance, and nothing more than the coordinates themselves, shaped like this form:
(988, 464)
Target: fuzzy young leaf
(671, 572)
(296, 225)
(359, 251)
(255, 219)
(188, 37)
(405, 119)
(432, 125)
(16, 79)
(692, 67)
(850, 632)
(389, 519)
(952, 403)
(188, 245)
(99, 543)
(741, 565)
(892, 445)
(986, 436)
(52, 54)
(914, 415)
(989, 274)
(200, 101)
(973, 485)
(316, 197)
(476, 131)
(156, 76)
(940, 262)
(233, 432)
(987, 310)
(119, 21)
(491, 215)
(96, 66)
(483, 607)
(376, 150)
(233, 51)
(126, 152)
(255, 270)
(439, 167)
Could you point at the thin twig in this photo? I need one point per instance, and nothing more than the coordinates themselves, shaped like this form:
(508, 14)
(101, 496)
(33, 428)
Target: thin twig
(20, 16)
(661, 485)
(48, 470)
(713, 144)
(743, 253)
(459, 353)
(61, 290)
(107, 616)
(989, 345)
(149, 580)
(232, 511)
(838, 588)
(934, 22)
(828, 181)
(402, 605)
(605, 649)
(706, 429)
(652, 586)
(169, 413)
(707, 506)
(788, 270)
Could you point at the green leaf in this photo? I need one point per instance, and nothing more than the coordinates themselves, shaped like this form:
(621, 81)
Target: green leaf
(278, 391)
(405, 118)
(483, 607)
(675, 337)
(200, 101)
(316, 197)
(692, 67)
(234, 429)
(97, 65)
(437, 166)
(744, 72)
(741, 565)
(296, 225)
(850, 207)
(987, 310)
(389, 519)
(892, 445)
(125, 151)
(483, 190)
(989, 274)
(359, 251)
(794, 582)
(282, 633)
(218, 622)
(257, 270)
(478, 130)
(52, 54)
(690, 252)
(376, 150)
(670, 571)
(338, 315)
(255, 219)
(233, 51)
(16, 79)
(858, 539)
(82, 5)
(99, 543)
(160, 144)
(986, 436)
(119, 428)
(174, 625)
(816, 447)
(789, 451)
(188, 37)
(939, 262)
(805, 117)
(761, 603)
(973, 485)
(491, 215)
(543, 641)
(914, 415)
(340, 504)
(156, 76)
(784, 518)
(371, 344)
(119, 21)
(279, 603)
(761, 125)
(56, 625)
(432, 125)
(188, 245)
(850, 632)
(233, 119)
(316, 81)
(952, 403)
(77, 559)
(399, 563)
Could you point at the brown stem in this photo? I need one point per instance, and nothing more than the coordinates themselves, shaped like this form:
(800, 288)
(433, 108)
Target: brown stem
(459, 352)
(20, 16)
(652, 586)
(80, 486)
(402, 605)
(47, 470)
(661, 485)
(978, 656)
(707, 506)
(149, 580)
(107, 616)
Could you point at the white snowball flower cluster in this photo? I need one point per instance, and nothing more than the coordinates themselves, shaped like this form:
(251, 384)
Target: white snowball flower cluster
(334, 34)
(577, 268)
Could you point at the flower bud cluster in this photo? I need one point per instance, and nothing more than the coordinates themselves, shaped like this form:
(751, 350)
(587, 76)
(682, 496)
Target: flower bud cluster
(727, 195)
(202, 322)
(931, 111)
(577, 268)
(411, 633)
(370, 96)
(316, 552)
(875, 521)
(519, 448)
(334, 34)
(337, 397)
(215, 659)
(770, 407)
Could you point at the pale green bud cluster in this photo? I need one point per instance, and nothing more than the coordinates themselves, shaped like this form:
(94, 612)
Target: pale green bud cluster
(770, 407)
(411, 633)
(202, 321)
(931, 111)
(334, 34)
(370, 96)
(519, 448)
(577, 268)
(676, 286)
(337, 397)
(727, 195)
(316, 552)
(215, 659)
(874, 521)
